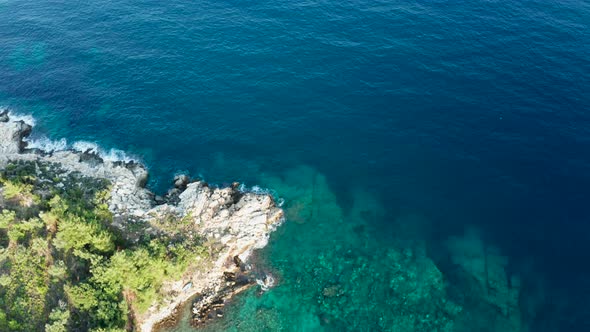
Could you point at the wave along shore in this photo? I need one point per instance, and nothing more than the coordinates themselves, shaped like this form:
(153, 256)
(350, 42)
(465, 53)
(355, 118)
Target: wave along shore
(230, 223)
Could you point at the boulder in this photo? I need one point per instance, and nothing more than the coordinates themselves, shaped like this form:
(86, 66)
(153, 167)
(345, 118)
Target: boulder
(181, 181)
(4, 116)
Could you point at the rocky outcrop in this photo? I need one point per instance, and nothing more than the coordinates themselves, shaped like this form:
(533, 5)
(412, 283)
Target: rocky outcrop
(11, 136)
(234, 222)
(237, 222)
(4, 116)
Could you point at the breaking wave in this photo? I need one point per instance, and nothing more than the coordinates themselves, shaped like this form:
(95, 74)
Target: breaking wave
(263, 191)
(15, 116)
(48, 145)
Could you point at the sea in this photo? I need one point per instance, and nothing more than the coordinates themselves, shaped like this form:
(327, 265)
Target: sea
(432, 156)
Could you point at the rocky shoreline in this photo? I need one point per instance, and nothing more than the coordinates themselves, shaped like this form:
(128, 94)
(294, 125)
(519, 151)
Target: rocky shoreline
(207, 306)
(234, 223)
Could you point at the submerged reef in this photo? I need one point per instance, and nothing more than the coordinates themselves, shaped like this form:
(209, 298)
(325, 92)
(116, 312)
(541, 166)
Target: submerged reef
(483, 272)
(336, 273)
(85, 246)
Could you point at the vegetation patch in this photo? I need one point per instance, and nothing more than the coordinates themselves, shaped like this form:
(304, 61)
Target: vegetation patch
(63, 267)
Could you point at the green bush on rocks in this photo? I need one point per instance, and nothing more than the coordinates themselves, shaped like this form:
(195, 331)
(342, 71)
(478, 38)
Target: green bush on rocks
(63, 266)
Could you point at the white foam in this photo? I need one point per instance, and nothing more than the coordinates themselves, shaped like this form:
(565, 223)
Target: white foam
(118, 155)
(255, 189)
(84, 146)
(49, 145)
(263, 191)
(109, 155)
(14, 116)
(266, 283)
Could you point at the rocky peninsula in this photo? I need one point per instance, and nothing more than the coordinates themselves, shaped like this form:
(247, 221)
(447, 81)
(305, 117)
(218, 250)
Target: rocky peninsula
(202, 236)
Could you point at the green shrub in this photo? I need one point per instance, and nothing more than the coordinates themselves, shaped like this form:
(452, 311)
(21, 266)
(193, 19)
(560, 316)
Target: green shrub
(69, 250)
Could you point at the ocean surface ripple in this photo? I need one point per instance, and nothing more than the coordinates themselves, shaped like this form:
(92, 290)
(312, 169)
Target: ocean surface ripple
(366, 117)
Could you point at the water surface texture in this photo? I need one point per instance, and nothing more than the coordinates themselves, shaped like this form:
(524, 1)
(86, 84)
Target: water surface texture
(399, 133)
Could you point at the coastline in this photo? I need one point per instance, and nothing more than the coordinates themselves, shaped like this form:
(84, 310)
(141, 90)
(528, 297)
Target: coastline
(184, 314)
(234, 222)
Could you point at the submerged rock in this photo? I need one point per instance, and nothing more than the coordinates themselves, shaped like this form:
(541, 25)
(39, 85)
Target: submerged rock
(486, 280)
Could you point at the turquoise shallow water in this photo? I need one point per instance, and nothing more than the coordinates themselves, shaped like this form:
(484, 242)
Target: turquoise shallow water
(394, 130)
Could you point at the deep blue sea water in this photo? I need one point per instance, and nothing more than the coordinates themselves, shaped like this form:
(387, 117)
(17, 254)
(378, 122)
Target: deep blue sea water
(367, 117)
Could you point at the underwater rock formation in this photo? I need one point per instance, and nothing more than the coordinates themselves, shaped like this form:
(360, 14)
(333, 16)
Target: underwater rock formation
(485, 276)
(234, 223)
(345, 280)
